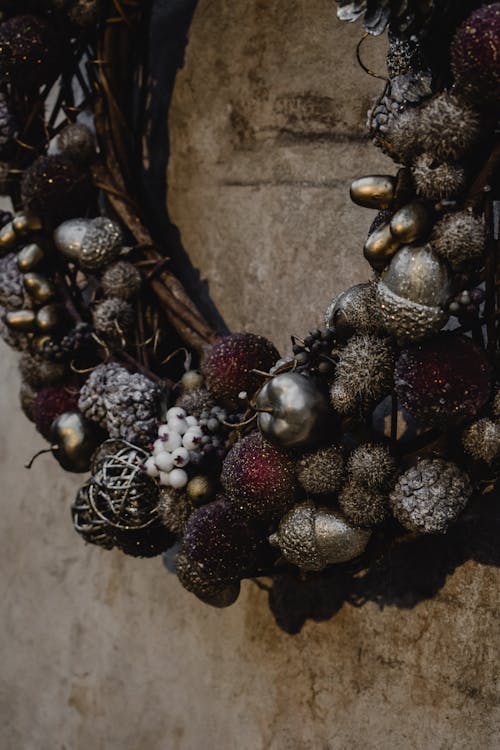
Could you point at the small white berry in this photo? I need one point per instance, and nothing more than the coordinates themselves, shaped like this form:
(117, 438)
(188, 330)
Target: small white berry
(151, 468)
(158, 446)
(176, 412)
(191, 421)
(178, 478)
(163, 429)
(180, 457)
(172, 440)
(176, 424)
(242, 395)
(164, 461)
(192, 439)
(164, 479)
(213, 424)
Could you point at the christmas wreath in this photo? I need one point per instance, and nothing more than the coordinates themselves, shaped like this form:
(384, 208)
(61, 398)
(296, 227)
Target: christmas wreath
(381, 426)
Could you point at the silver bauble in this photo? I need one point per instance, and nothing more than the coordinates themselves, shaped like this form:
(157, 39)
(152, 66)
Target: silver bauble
(412, 293)
(292, 410)
(313, 538)
(91, 243)
(354, 311)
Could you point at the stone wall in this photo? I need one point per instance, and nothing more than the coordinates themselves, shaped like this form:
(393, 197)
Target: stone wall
(102, 651)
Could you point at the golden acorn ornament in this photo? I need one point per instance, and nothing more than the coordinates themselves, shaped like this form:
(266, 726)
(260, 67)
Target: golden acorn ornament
(21, 320)
(374, 191)
(40, 289)
(29, 258)
(380, 247)
(292, 410)
(411, 223)
(48, 318)
(413, 292)
(90, 243)
(313, 538)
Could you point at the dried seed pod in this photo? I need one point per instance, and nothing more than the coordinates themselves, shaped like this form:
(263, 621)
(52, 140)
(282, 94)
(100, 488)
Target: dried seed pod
(482, 440)
(364, 374)
(321, 472)
(362, 505)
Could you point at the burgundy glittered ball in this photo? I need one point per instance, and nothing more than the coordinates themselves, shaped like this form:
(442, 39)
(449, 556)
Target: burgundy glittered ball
(446, 379)
(258, 476)
(475, 55)
(30, 51)
(56, 188)
(228, 365)
(221, 540)
(50, 403)
(148, 542)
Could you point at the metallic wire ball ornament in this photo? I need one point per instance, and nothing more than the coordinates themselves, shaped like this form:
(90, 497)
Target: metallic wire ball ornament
(121, 494)
(313, 538)
(90, 243)
(413, 292)
(354, 311)
(88, 524)
(292, 410)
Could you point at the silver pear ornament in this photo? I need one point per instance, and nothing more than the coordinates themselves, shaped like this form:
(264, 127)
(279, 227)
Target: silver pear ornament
(292, 410)
(413, 292)
(313, 538)
(90, 243)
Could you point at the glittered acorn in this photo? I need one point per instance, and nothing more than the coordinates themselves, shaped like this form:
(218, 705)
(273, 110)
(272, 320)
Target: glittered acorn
(91, 243)
(354, 311)
(321, 472)
(228, 366)
(481, 440)
(413, 292)
(293, 410)
(56, 188)
(459, 238)
(31, 52)
(364, 374)
(362, 505)
(313, 538)
(430, 495)
(77, 142)
(446, 379)
(122, 280)
(475, 56)
(258, 476)
(50, 403)
(436, 180)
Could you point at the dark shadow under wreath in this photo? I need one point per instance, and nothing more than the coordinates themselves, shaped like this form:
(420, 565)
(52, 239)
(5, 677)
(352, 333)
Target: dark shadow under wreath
(363, 465)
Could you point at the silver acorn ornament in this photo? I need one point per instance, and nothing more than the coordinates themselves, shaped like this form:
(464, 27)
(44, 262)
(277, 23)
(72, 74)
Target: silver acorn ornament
(413, 292)
(292, 409)
(313, 538)
(74, 441)
(90, 243)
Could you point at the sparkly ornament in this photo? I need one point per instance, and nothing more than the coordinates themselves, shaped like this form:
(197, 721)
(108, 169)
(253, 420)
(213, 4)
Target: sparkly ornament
(91, 243)
(364, 374)
(313, 538)
(496, 404)
(122, 279)
(113, 318)
(371, 464)
(200, 489)
(321, 472)
(77, 142)
(31, 53)
(151, 541)
(229, 365)
(404, 55)
(354, 311)
(8, 128)
(362, 505)
(194, 578)
(50, 403)
(413, 292)
(430, 495)
(447, 378)
(475, 55)
(93, 393)
(195, 401)
(55, 187)
(39, 372)
(436, 180)
(292, 410)
(220, 539)
(258, 476)
(482, 440)
(74, 441)
(174, 508)
(459, 238)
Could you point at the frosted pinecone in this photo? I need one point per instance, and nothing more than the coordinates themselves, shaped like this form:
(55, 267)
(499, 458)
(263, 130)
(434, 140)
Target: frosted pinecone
(386, 120)
(430, 495)
(132, 408)
(11, 283)
(403, 16)
(93, 393)
(8, 125)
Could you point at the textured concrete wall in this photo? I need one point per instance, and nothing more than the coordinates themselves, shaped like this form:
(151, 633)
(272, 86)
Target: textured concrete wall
(102, 651)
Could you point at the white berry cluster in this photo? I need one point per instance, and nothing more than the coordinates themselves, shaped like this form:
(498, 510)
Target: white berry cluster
(182, 440)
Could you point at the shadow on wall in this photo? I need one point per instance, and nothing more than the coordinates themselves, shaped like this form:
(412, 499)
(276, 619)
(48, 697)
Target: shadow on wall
(413, 569)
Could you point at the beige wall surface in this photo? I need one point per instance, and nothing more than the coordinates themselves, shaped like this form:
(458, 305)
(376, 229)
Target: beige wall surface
(100, 651)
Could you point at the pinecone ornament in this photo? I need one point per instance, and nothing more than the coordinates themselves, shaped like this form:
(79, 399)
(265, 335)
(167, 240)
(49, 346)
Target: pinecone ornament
(12, 295)
(92, 395)
(430, 495)
(403, 16)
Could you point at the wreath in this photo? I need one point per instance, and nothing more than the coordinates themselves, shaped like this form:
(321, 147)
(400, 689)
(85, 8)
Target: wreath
(378, 434)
